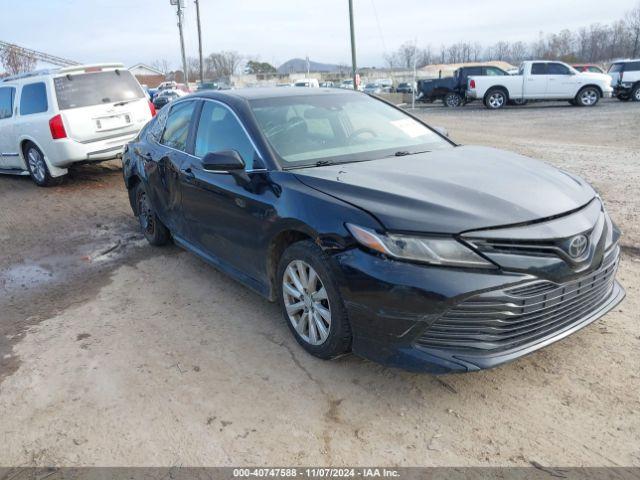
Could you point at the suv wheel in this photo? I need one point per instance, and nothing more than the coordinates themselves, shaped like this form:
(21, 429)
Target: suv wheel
(635, 93)
(311, 303)
(588, 97)
(452, 100)
(153, 229)
(495, 99)
(37, 167)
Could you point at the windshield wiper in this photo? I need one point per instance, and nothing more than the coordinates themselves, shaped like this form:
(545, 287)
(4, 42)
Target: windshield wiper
(124, 102)
(404, 153)
(323, 163)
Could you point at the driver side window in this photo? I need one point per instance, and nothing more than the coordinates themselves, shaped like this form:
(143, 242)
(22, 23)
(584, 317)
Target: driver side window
(219, 130)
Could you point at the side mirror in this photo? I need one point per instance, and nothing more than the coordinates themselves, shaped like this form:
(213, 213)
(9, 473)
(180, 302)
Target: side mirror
(442, 131)
(223, 161)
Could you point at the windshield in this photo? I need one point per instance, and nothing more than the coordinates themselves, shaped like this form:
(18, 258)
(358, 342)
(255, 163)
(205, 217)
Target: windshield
(87, 89)
(616, 67)
(339, 128)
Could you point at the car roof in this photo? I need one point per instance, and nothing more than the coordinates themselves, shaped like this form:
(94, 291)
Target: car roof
(271, 92)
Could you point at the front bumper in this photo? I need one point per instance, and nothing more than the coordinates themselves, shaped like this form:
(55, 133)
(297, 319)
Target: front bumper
(622, 89)
(396, 309)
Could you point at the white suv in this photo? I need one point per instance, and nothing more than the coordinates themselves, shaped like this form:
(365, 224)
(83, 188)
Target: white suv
(52, 118)
(625, 76)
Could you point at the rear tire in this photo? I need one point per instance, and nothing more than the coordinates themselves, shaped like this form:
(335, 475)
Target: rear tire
(587, 97)
(306, 304)
(635, 93)
(453, 100)
(40, 174)
(495, 99)
(152, 228)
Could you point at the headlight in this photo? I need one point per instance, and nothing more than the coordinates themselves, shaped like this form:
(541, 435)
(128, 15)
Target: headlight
(433, 250)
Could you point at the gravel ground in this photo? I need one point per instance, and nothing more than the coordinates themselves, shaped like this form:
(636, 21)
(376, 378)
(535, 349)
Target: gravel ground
(116, 353)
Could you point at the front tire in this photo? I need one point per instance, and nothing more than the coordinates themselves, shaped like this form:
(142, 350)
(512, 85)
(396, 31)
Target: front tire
(635, 93)
(587, 97)
(453, 100)
(152, 228)
(495, 99)
(40, 174)
(310, 301)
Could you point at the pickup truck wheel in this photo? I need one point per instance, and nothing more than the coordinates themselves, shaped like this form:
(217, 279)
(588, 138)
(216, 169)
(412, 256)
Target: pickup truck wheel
(453, 100)
(495, 99)
(588, 97)
(635, 93)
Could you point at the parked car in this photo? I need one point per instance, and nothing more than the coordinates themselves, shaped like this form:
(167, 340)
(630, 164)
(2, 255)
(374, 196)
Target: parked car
(373, 232)
(347, 84)
(452, 90)
(588, 68)
(207, 86)
(541, 80)
(169, 85)
(372, 89)
(404, 87)
(327, 85)
(50, 119)
(625, 78)
(152, 92)
(307, 83)
(166, 96)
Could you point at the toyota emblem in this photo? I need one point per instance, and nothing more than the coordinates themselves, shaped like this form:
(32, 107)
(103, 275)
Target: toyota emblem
(578, 246)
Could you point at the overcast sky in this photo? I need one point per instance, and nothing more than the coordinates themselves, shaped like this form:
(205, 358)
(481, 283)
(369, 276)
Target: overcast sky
(133, 31)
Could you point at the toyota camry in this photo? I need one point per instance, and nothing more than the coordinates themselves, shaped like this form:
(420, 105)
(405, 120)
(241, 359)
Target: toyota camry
(375, 232)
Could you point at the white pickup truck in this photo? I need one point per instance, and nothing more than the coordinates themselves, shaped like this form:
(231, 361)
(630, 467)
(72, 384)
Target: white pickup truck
(541, 80)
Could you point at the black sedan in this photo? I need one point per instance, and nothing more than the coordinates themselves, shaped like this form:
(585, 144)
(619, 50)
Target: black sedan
(164, 97)
(375, 233)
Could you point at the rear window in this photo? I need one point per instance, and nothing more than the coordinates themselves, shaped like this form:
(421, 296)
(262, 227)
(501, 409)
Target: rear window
(632, 67)
(87, 89)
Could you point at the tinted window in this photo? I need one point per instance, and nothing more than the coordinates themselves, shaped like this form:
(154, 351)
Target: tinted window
(616, 67)
(492, 71)
(33, 99)
(539, 69)
(74, 91)
(6, 102)
(557, 69)
(157, 124)
(594, 70)
(177, 130)
(220, 130)
(632, 67)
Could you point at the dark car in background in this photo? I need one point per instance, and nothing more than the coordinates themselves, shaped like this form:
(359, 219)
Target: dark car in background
(404, 87)
(163, 97)
(373, 232)
(451, 90)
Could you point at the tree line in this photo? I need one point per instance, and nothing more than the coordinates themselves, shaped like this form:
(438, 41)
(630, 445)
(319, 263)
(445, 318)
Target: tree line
(596, 43)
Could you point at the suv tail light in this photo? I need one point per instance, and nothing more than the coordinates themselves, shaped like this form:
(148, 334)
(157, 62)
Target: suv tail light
(57, 128)
(152, 108)
(472, 83)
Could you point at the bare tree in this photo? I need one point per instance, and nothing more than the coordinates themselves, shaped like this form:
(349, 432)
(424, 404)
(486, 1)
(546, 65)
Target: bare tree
(162, 64)
(222, 64)
(15, 61)
(633, 25)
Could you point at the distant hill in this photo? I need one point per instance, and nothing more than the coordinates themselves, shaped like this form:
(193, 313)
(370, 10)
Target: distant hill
(299, 65)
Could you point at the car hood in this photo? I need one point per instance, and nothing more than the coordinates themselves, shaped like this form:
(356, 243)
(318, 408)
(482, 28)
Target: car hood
(452, 190)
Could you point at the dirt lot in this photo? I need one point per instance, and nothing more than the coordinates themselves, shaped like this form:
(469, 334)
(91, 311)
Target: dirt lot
(116, 353)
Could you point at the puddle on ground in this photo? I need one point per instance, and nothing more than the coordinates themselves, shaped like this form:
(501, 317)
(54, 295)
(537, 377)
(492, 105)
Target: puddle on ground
(25, 275)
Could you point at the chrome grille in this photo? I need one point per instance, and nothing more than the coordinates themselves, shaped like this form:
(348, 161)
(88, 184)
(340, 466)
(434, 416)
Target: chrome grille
(503, 319)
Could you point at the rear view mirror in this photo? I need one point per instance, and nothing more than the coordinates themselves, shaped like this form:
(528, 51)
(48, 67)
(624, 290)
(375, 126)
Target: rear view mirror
(224, 161)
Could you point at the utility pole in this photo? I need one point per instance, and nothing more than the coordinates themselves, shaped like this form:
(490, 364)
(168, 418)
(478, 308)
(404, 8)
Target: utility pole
(197, 2)
(354, 67)
(180, 5)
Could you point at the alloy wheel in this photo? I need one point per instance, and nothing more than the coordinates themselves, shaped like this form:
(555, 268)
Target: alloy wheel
(496, 100)
(36, 165)
(636, 95)
(306, 302)
(589, 97)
